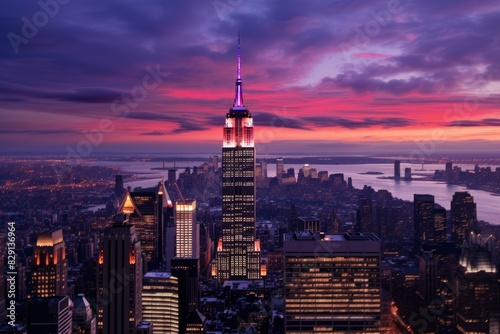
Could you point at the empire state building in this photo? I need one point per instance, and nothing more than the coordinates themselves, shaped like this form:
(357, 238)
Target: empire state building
(238, 252)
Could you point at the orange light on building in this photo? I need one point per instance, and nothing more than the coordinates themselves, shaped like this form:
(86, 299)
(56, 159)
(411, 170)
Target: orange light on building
(132, 257)
(101, 256)
(219, 245)
(257, 245)
(263, 269)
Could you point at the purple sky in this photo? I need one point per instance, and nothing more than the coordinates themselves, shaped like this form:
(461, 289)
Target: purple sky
(319, 76)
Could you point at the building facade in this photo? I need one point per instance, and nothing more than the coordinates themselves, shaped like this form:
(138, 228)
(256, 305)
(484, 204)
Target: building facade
(160, 302)
(119, 281)
(332, 283)
(50, 267)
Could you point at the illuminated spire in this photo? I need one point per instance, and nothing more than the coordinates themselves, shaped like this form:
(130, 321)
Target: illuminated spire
(238, 95)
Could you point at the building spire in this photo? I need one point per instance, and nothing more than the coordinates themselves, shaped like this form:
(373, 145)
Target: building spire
(238, 95)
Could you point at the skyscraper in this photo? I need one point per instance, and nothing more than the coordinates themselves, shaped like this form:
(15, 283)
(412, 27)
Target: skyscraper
(423, 218)
(160, 302)
(397, 170)
(280, 169)
(332, 283)
(84, 320)
(186, 263)
(146, 214)
(365, 217)
(463, 216)
(50, 315)
(187, 230)
(238, 254)
(50, 267)
(476, 301)
(119, 279)
(118, 186)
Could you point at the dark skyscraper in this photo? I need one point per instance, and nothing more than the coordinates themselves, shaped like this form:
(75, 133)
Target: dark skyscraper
(50, 315)
(238, 253)
(423, 218)
(119, 279)
(463, 216)
(118, 186)
(146, 214)
(397, 170)
(280, 169)
(365, 217)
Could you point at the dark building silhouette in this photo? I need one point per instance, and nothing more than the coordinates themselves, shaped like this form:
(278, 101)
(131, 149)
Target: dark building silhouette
(423, 218)
(365, 217)
(397, 170)
(119, 279)
(49, 315)
(119, 186)
(463, 216)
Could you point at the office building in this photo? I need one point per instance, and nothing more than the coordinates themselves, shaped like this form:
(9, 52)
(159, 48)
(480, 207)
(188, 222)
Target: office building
(84, 320)
(160, 302)
(366, 222)
(119, 281)
(49, 315)
(238, 253)
(463, 216)
(187, 230)
(332, 283)
(186, 263)
(423, 218)
(477, 298)
(50, 267)
(146, 210)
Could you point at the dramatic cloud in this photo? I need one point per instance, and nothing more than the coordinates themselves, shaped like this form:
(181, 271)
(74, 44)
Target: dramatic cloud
(365, 69)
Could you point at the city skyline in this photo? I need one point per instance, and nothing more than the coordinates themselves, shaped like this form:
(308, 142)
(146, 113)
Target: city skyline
(353, 76)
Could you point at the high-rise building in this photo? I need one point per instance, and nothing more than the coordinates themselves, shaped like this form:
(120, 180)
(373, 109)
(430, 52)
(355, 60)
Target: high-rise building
(407, 174)
(476, 301)
(50, 315)
(160, 302)
(365, 217)
(423, 218)
(186, 263)
(438, 235)
(238, 253)
(84, 320)
(263, 164)
(187, 230)
(119, 281)
(397, 170)
(49, 273)
(280, 169)
(463, 216)
(332, 283)
(146, 214)
(118, 186)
